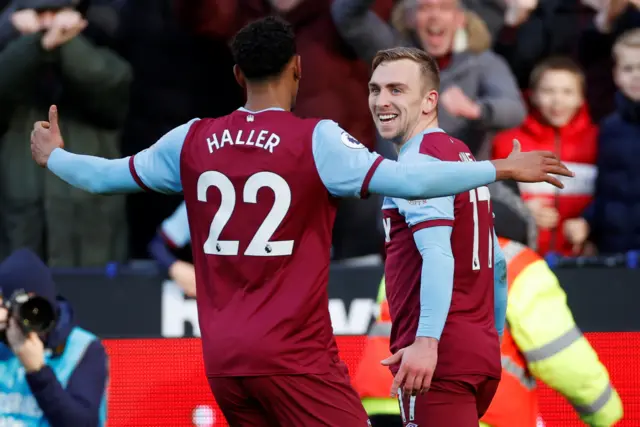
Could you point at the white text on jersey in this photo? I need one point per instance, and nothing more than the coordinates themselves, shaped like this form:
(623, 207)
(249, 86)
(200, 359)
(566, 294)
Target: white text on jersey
(264, 139)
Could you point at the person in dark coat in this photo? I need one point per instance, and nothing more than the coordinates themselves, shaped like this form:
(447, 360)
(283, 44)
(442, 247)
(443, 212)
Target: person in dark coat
(612, 222)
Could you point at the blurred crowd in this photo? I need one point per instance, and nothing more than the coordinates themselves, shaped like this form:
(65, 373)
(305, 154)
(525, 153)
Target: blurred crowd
(560, 75)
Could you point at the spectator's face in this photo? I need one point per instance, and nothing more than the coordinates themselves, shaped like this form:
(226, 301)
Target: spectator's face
(46, 18)
(436, 24)
(396, 96)
(284, 5)
(627, 72)
(558, 96)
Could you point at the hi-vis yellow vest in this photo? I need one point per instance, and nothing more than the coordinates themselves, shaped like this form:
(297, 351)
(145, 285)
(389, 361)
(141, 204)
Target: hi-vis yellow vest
(372, 380)
(543, 342)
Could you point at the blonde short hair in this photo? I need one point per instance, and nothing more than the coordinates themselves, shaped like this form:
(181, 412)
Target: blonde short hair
(629, 39)
(428, 65)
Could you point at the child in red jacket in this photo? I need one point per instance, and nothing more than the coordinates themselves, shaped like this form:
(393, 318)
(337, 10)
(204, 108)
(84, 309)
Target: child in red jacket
(558, 121)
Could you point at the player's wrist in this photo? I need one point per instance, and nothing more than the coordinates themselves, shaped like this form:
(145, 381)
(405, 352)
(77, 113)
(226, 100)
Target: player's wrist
(503, 169)
(430, 342)
(54, 156)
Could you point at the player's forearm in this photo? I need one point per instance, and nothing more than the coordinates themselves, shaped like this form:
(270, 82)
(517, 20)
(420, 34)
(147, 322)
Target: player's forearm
(93, 174)
(500, 289)
(160, 251)
(436, 282)
(435, 179)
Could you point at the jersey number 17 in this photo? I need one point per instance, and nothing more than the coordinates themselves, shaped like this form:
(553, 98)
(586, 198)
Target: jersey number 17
(476, 196)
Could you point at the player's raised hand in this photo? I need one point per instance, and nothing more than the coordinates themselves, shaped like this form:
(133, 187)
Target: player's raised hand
(417, 365)
(531, 166)
(46, 137)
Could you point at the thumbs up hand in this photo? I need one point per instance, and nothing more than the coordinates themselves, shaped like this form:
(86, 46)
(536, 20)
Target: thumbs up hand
(45, 138)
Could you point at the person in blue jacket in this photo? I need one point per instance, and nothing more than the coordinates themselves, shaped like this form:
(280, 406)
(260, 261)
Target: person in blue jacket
(58, 379)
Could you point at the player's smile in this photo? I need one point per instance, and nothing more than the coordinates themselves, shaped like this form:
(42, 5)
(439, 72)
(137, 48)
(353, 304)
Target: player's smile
(387, 118)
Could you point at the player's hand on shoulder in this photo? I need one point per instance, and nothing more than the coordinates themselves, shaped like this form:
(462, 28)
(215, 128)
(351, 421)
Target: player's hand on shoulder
(46, 137)
(417, 365)
(531, 166)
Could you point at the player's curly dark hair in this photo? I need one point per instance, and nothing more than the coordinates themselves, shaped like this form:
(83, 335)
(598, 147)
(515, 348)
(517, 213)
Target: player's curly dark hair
(262, 48)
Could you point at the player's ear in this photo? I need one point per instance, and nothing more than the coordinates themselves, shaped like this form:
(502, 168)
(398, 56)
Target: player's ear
(297, 68)
(430, 102)
(237, 72)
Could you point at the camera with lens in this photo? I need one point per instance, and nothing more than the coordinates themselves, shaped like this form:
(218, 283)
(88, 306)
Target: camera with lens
(33, 313)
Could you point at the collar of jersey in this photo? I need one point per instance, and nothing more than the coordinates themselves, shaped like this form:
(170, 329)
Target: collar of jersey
(418, 137)
(261, 111)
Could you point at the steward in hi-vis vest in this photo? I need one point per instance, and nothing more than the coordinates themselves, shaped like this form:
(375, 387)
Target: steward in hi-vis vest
(542, 342)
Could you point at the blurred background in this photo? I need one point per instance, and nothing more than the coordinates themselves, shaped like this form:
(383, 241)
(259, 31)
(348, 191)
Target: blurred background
(560, 75)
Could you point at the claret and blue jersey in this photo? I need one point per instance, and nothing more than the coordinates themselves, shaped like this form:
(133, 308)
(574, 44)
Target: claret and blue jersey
(439, 267)
(175, 228)
(260, 191)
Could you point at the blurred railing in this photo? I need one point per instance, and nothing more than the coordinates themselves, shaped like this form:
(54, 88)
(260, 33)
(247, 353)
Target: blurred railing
(602, 292)
(630, 259)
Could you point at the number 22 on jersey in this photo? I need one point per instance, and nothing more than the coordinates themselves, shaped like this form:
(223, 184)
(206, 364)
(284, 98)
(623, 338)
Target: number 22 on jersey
(260, 245)
(476, 196)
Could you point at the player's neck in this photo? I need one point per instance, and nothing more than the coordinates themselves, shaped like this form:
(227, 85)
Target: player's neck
(267, 95)
(420, 127)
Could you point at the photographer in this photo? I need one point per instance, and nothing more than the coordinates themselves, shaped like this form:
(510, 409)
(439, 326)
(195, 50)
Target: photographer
(56, 377)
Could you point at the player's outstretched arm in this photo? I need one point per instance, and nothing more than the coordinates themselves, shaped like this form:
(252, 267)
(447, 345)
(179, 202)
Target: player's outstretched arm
(157, 168)
(447, 178)
(348, 169)
(93, 174)
(500, 289)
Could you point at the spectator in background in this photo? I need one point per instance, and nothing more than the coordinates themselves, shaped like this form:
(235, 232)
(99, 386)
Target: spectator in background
(478, 92)
(490, 11)
(334, 86)
(613, 18)
(559, 122)
(511, 216)
(174, 234)
(535, 30)
(47, 59)
(335, 80)
(177, 76)
(612, 221)
(56, 379)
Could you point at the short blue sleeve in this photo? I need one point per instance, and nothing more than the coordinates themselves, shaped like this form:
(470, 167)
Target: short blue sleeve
(176, 227)
(158, 167)
(343, 163)
(417, 212)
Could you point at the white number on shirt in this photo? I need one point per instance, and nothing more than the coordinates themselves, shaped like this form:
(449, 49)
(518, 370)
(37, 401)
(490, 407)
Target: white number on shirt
(480, 194)
(260, 245)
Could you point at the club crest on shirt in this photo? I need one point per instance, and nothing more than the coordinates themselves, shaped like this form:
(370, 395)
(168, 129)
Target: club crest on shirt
(350, 141)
